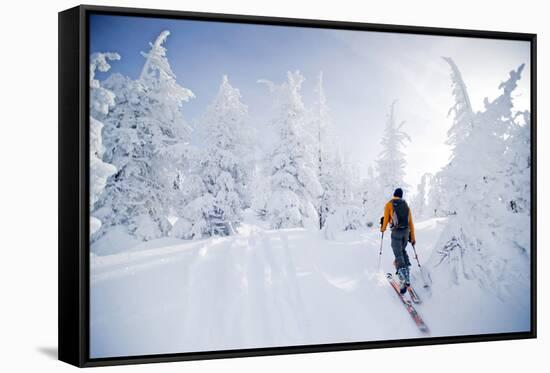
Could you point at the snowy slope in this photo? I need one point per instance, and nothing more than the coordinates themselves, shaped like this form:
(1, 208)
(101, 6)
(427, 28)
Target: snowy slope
(264, 288)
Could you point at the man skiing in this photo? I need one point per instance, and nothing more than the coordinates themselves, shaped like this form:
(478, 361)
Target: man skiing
(398, 214)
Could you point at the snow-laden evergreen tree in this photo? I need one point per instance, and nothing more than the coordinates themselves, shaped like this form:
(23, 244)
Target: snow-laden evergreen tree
(347, 205)
(477, 243)
(293, 169)
(517, 181)
(101, 101)
(391, 163)
(461, 110)
(419, 203)
(518, 174)
(327, 157)
(351, 180)
(346, 217)
(436, 199)
(372, 197)
(142, 136)
(389, 172)
(463, 123)
(516, 193)
(224, 169)
(261, 186)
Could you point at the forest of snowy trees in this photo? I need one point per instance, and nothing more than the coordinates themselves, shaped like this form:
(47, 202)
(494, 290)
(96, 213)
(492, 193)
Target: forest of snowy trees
(485, 188)
(145, 168)
(150, 177)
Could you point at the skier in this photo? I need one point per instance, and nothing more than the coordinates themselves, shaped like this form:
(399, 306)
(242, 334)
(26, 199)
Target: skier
(398, 214)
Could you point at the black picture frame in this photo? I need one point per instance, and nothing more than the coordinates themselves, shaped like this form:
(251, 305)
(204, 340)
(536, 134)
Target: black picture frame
(73, 250)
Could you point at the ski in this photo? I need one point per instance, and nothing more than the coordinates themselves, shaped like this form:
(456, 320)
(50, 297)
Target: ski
(408, 305)
(414, 295)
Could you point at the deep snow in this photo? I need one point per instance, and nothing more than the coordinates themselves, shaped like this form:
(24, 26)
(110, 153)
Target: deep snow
(265, 288)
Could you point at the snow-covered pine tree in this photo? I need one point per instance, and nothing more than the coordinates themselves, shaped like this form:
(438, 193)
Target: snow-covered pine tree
(350, 180)
(261, 186)
(293, 170)
(224, 169)
(436, 201)
(142, 136)
(326, 154)
(419, 203)
(515, 194)
(461, 110)
(172, 133)
(334, 180)
(372, 196)
(340, 205)
(390, 169)
(518, 174)
(347, 211)
(463, 124)
(476, 243)
(391, 163)
(101, 100)
(517, 182)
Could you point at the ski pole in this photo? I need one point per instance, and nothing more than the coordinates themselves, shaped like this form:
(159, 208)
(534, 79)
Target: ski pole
(416, 257)
(420, 267)
(380, 254)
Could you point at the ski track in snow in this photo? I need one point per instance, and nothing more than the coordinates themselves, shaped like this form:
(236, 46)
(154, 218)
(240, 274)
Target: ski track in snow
(265, 288)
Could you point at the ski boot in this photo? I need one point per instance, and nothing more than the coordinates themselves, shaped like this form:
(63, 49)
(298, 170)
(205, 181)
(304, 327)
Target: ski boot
(404, 280)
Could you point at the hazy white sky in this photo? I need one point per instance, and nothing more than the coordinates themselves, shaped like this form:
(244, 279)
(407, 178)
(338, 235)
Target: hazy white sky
(363, 73)
(410, 69)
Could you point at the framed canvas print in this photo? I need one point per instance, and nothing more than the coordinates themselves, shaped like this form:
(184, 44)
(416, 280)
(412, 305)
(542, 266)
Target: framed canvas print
(237, 186)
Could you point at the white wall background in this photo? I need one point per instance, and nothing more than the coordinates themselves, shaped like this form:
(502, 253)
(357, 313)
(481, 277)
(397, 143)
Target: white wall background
(28, 184)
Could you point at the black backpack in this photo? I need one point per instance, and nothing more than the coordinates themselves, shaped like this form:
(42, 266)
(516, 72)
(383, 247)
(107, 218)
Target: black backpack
(400, 214)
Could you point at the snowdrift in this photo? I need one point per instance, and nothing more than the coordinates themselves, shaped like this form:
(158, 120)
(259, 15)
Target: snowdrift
(268, 288)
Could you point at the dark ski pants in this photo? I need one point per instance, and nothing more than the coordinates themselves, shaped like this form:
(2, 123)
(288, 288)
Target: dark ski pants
(399, 239)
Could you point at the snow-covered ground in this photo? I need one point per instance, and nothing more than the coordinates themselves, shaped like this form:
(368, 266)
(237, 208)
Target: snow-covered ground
(265, 288)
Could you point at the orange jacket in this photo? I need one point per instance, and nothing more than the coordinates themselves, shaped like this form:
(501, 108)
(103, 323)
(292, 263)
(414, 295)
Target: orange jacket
(388, 213)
